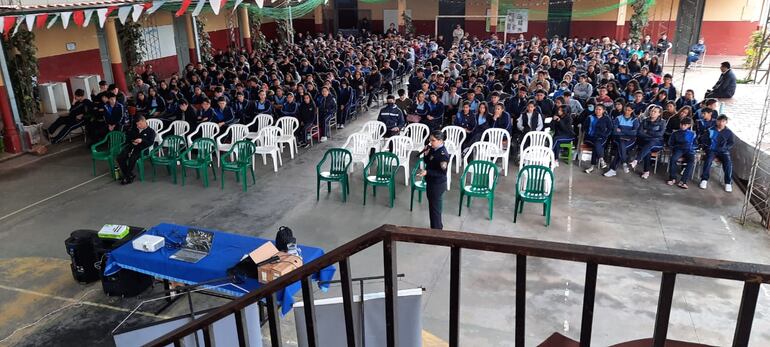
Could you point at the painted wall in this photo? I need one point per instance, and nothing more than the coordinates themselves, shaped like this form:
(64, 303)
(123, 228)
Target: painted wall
(56, 63)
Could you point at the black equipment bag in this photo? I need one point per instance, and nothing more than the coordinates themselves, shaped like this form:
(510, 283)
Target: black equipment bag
(284, 238)
(80, 247)
(126, 283)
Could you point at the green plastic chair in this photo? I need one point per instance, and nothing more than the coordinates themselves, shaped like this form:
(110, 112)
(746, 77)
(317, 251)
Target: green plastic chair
(479, 187)
(565, 152)
(339, 163)
(201, 161)
(167, 154)
(387, 167)
(115, 140)
(532, 186)
(417, 184)
(144, 156)
(243, 152)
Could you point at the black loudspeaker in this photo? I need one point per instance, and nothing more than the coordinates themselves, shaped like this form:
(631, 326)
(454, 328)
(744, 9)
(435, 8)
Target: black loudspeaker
(126, 283)
(80, 247)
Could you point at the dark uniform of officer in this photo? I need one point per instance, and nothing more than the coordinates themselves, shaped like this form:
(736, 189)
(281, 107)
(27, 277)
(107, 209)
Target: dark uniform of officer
(436, 166)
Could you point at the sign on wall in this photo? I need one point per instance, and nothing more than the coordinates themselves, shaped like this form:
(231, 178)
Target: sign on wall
(517, 21)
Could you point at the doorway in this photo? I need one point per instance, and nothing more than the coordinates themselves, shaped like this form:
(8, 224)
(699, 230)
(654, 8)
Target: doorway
(559, 17)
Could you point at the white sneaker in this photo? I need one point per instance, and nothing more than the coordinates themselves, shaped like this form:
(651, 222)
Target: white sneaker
(590, 169)
(602, 164)
(342, 126)
(646, 175)
(729, 188)
(625, 168)
(633, 164)
(323, 139)
(610, 173)
(555, 164)
(703, 184)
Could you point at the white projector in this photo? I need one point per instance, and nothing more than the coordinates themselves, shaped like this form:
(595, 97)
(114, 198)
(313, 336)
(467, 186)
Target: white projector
(148, 243)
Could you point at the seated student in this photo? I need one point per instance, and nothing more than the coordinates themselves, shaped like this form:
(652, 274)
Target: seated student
(499, 119)
(242, 108)
(223, 115)
(435, 117)
(682, 143)
(113, 113)
(673, 123)
(205, 113)
(345, 103)
(718, 143)
(688, 99)
(277, 100)
(618, 108)
(186, 113)
(625, 129)
(307, 118)
(707, 121)
(710, 104)
(420, 107)
(139, 137)
(262, 105)
(650, 138)
(155, 104)
(392, 116)
(74, 119)
(482, 114)
(598, 128)
(639, 104)
(466, 120)
(403, 102)
(561, 124)
(290, 106)
(327, 108)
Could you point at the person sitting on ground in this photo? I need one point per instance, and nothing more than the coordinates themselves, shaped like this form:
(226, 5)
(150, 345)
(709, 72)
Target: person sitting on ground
(682, 143)
(392, 116)
(725, 86)
(561, 124)
(139, 137)
(598, 129)
(649, 139)
(718, 143)
(696, 52)
(625, 129)
(75, 118)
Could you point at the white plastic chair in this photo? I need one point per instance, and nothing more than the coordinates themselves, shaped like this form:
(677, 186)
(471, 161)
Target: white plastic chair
(156, 125)
(481, 150)
(402, 148)
(262, 121)
(455, 137)
(358, 145)
(537, 155)
(418, 132)
(376, 132)
(536, 139)
(502, 140)
(206, 129)
(237, 132)
(289, 126)
(267, 143)
(177, 127)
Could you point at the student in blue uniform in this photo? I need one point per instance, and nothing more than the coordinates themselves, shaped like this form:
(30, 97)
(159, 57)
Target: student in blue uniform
(625, 128)
(598, 129)
(436, 163)
(76, 118)
(392, 116)
(561, 124)
(649, 139)
(466, 119)
(682, 143)
(719, 142)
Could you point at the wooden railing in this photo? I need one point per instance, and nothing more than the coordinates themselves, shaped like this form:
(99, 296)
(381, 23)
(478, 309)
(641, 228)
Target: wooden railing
(752, 275)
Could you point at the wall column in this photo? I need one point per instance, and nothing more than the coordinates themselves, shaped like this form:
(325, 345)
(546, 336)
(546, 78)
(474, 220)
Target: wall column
(493, 8)
(620, 24)
(401, 10)
(11, 140)
(191, 44)
(113, 47)
(318, 17)
(245, 25)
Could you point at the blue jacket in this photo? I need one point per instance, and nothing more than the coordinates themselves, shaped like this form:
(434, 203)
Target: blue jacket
(682, 140)
(289, 108)
(597, 128)
(653, 131)
(625, 127)
(392, 116)
(326, 105)
(226, 115)
(719, 141)
(466, 122)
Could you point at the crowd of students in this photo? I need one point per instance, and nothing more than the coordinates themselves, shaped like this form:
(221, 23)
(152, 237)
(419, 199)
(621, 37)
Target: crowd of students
(613, 92)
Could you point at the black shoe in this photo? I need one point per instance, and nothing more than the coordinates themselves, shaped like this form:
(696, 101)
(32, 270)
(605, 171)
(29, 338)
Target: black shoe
(123, 181)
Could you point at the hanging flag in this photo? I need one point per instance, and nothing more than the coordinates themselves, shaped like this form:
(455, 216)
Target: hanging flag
(260, 3)
(30, 20)
(183, 8)
(123, 13)
(215, 6)
(87, 20)
(40, 20)
(198, 8)
(18, 25)
(147, 5)
(79, 17)
(101, 16)
(237, 3)
(155, 6)
(110, 10)
(137, 12)
(52, 21)
(2, 24)
(65, 19)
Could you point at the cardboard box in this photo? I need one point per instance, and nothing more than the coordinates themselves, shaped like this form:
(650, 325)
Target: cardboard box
(269, 272)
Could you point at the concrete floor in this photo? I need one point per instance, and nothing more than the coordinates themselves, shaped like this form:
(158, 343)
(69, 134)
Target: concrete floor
(43, 199)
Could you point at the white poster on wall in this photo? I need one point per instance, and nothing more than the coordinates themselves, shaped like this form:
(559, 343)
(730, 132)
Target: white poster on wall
(517, 21)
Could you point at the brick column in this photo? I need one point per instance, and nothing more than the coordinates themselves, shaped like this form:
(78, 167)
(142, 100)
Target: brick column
(401, 10)
(243, 15)
(11, 140)
(113, 47)
(620, 23)
(188, 26)
(493, 8)
(318, 18)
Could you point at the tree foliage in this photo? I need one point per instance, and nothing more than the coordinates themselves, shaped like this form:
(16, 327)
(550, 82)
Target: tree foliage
(639, 19)
(204, 41)
(132, 43)
(21, 54)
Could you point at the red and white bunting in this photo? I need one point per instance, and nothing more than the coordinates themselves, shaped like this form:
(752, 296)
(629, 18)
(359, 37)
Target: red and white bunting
(79, 17)
(198, 8)
(101, 15)
(155, 6)
(53, 20)
(87, 20)
(137, 12)
(216, 5)
(237, 3)
(19, 21)
(260, 3)
(30, 20)
(40, 20)
(65, 19)
(123, 13)
(2, 24)
(183, 8)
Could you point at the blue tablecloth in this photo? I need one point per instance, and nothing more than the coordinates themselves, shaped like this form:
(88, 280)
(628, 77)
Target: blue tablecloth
(226, 251)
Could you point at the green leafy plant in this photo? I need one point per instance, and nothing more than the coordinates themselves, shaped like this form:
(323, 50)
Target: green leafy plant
(283, 30)
(21, 52)
(132, 43)
(258, 40)
(204, 41)
(408, 25)
(752, 49)
(639, 19)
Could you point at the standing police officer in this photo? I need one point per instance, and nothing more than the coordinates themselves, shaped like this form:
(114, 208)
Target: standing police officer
(436, 165)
